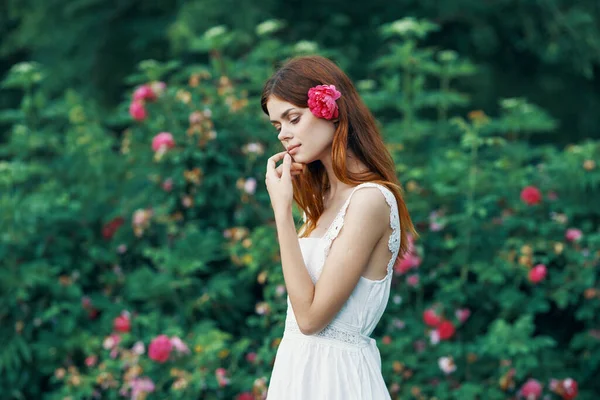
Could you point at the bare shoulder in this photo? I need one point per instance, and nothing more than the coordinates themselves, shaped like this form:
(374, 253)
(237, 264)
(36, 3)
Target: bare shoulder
(368, 205)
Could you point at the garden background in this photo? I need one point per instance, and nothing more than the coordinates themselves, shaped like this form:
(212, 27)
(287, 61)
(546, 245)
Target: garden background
(139, 253)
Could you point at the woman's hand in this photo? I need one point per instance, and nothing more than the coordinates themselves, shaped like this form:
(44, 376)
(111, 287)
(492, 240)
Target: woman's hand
(279, 181)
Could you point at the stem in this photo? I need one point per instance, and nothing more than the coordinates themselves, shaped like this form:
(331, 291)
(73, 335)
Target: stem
(408, 106)
(445, 89)
(470, 205)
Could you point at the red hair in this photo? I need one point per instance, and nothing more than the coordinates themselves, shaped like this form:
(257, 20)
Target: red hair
(356, 130)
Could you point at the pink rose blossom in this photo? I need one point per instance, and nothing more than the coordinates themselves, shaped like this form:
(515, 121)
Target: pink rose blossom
(531, 195)
(538, 273)
(531, 390)
(163, 140)
(144, 92)
(431, 318)
(160, 348)
(573, 234)
(167, 185)
(111, 342)
(321, 101)
(141, 386)
(463, 314)
(137, 111)
(139, 348)
(404, 265)
(90, 361)
(413, 280)
(179, 345)
(251, 357)
(220, 374)
(122, 323)
(245, 396)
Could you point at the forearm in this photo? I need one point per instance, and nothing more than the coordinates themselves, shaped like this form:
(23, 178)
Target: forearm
(299, 286)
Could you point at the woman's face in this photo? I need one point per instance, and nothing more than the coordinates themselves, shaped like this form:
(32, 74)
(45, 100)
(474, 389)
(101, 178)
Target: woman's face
(298, 126)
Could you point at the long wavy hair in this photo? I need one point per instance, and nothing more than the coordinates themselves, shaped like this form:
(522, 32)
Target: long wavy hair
(355, 130)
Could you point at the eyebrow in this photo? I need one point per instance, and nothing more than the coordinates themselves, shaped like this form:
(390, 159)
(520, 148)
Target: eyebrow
(285, 113)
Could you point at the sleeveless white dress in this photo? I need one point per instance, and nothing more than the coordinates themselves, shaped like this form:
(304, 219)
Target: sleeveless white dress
(341, 362)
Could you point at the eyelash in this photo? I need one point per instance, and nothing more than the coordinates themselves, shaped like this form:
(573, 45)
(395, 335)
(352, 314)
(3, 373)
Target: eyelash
(292, 121)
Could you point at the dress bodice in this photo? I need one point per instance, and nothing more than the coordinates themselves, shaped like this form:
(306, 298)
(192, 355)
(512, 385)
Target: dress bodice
(362, 311)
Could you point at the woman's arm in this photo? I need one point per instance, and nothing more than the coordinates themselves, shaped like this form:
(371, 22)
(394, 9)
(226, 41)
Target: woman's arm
(365, 222)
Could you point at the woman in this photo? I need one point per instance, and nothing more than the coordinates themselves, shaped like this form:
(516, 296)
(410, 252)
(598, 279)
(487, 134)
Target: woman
(338, 271)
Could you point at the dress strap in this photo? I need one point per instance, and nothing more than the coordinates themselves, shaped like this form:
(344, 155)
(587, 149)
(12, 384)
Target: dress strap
(338, 222)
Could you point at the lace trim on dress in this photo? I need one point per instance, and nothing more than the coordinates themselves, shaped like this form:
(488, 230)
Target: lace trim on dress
(329, 332)
(338, 222)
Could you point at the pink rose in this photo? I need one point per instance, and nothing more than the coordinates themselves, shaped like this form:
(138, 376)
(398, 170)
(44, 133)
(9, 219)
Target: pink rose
(160, 348)
(531, 195)
(431, 318)
(141, 386)
(413, 280)
(163, 140)
(463, 314)
(222, 379)
(321, 101)
(537, 273)
(167, 185)
(137, 110)
(122, 323)
(531, 390)
(573, 234)
(90, 361)
(251, 357)
(144, 92)
(404, 265)
(179, 345)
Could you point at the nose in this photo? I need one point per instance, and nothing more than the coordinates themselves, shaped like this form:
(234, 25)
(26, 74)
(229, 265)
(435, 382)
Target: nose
(283, 134)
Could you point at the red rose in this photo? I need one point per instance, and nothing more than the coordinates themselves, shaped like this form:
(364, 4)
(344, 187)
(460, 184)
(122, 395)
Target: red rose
(446, 330)
(122, 323)
(431, 318)
(111, 227)
(531, 195)
(160, 348)
(245, 396)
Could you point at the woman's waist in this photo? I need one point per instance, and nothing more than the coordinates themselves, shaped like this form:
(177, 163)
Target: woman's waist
(337, 331)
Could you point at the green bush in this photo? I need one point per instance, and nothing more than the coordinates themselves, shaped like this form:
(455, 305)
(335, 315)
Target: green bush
(141, 256)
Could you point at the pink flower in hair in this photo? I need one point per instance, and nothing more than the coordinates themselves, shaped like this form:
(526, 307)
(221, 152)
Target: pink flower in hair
(321, 101)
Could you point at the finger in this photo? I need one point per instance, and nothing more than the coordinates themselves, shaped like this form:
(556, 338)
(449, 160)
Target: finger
(287, 163)
(272, 163)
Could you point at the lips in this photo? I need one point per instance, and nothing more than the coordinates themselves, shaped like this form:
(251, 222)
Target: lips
(292, 147)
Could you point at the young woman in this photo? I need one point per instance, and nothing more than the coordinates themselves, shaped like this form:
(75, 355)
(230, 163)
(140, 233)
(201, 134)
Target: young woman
(339, 269)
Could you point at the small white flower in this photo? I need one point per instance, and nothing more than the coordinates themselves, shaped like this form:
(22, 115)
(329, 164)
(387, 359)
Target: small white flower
(447, 365)
(250, 186)
(215, 31)
(404, 26)
(305, 46)
(434, 337)
(268, 26)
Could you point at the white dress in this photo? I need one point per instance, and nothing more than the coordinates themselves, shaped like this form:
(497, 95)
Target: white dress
(341, 362)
